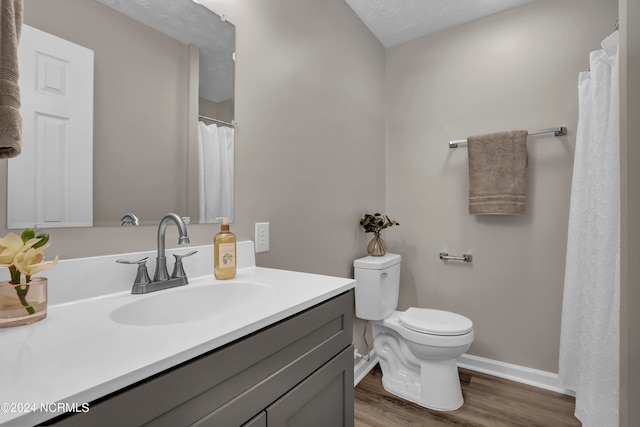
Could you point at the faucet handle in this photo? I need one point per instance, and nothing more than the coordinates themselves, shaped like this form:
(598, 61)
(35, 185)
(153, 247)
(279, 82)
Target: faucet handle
(143, 276)
(178, 269)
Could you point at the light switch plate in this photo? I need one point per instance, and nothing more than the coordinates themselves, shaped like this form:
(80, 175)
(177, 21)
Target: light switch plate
(262, 237)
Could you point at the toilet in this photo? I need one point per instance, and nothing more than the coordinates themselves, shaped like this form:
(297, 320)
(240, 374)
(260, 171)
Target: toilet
(416, 348)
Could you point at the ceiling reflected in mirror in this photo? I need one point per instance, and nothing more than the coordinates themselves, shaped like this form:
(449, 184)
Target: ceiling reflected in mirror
(188, 22)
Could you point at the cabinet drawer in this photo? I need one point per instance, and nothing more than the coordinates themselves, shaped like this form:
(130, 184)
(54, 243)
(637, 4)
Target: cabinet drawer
(324, 399)
(268, 363)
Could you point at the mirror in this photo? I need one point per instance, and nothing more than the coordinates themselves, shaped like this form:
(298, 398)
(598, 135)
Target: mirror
(159, 68)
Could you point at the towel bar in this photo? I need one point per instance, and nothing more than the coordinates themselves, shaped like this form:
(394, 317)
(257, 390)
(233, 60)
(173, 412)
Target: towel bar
(465, 257)
(559, 131)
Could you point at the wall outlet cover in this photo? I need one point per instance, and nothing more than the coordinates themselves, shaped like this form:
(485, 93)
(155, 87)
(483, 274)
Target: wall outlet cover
(262, 237)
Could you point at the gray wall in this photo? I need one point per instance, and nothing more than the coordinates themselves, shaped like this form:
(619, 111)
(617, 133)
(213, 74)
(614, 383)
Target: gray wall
(310, 145)
(514, 70)
(630, 213)
(310, 141)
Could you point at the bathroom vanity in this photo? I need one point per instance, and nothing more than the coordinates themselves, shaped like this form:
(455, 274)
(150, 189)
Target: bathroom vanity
(296, 372)
(269, 347)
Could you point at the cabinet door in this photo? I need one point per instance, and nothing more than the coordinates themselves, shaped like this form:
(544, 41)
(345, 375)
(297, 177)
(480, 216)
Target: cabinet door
(323, 399)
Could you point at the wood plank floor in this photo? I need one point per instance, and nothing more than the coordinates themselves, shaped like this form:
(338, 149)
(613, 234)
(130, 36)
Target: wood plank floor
(489, 402)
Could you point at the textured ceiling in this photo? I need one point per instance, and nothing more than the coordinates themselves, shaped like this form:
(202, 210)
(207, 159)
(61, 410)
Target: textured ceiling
(398, 21)
(189, 22)
(391, 21)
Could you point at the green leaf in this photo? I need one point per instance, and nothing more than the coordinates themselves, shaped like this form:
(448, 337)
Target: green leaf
(28, 234)
(376, 222)
(44, 238)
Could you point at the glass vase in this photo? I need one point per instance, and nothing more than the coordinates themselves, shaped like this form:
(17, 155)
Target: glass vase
(23, 303)
(377, 246)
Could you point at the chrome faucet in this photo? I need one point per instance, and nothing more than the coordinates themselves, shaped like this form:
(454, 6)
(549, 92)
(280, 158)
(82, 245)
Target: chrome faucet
(161, 278)
(129, 219)
(162, 273)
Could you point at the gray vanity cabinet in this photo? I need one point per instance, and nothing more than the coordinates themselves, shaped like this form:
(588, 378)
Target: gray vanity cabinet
(297, 372)
(259, 420)
(318, 401)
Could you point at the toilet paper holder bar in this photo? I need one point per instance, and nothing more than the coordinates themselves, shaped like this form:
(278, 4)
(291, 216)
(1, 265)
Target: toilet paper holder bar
(465, 257)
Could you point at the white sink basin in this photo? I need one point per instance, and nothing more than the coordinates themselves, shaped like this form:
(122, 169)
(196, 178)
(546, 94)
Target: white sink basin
(189, 304)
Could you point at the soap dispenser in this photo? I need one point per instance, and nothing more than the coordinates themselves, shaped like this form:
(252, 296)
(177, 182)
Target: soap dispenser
(224, 252)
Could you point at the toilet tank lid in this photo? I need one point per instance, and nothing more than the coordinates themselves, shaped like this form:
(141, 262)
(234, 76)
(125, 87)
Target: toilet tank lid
(377, 262)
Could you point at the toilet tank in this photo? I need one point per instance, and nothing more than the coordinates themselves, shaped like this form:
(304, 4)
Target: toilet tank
(378, 285)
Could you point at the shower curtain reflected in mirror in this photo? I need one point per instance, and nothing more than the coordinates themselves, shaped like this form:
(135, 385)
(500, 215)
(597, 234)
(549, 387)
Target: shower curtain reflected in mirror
(590, 334)
(215, 155)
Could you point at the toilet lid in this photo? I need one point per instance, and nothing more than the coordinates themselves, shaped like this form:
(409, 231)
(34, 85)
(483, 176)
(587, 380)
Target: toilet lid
(435, 322)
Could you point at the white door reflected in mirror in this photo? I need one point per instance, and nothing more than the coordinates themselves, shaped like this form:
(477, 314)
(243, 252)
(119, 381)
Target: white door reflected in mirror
(51, 183)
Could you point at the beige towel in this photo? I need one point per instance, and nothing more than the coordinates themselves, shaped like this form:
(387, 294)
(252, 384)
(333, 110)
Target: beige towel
(497, 173)
(10, 119)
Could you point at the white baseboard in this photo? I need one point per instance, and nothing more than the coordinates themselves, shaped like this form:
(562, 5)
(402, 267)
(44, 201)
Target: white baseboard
(362, 368)
(521, 374)
(508, 371)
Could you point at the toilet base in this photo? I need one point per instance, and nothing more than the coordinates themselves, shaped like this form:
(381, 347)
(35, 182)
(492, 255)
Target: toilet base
(442, 393)
(430, 382)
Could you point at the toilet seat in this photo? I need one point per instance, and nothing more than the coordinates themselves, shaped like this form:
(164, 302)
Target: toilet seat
(435, 322)
(432, 340)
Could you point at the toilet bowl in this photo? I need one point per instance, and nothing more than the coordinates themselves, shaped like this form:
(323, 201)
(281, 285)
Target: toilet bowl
(417, 348)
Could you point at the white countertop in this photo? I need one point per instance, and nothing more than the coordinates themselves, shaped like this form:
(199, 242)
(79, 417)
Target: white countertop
(78, 353)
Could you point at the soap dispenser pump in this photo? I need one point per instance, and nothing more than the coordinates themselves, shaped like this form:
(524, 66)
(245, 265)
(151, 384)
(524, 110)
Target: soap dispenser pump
(224, 252)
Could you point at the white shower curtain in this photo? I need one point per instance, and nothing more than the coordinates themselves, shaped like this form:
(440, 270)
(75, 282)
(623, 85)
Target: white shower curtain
(216, 160)
(590, 334)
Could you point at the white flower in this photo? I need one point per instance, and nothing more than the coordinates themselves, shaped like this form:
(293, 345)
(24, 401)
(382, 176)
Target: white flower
(11, 245)
(31, 261)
